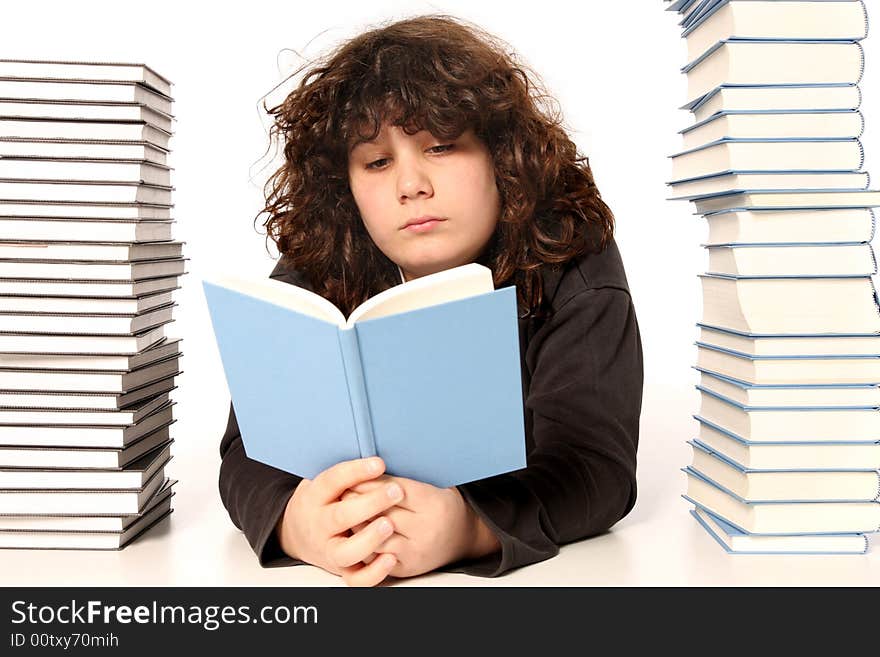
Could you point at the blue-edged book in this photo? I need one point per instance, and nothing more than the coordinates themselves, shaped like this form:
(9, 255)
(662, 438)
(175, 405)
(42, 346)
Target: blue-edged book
(736, 541)
(425, 375)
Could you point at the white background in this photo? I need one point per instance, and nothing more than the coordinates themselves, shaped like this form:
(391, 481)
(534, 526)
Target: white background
(613, 66)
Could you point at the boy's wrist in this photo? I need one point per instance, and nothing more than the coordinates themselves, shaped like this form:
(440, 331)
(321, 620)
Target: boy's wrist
(482, 540)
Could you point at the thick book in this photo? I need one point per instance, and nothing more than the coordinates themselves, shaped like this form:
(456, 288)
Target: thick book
(29, 69)
(50, 540)
(781, 226)
(751, 62)
(768, 156)
(790, 305)
(799, 200)
(85, 91)
(14, 343)
(86, 381)
(40, 231)
(86, 171)
(821, 456)
(785, 484)
(764, 424)
(773, 125)
(68, 417)
(122, 289)
(834, 260)
(70, 324)
(35, 399)
(84, 436)
(772, 19)
(95, 149)
(756, 344)
(790, 517)
(85, 305)
(84, 192)
(84, 211)
(736, 541)
(91, 271)
(163, 349)
(789, 369)
(85, 523)
(101, 458)
(425, 375)
(830, 395)
(48, 109)
(85, 251)
(791, 98)
(131, 477)
(79, 502)
(84, 131)
(790, 181)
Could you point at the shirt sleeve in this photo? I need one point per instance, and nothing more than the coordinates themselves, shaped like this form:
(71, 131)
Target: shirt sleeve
(255, 495)
(585, 399)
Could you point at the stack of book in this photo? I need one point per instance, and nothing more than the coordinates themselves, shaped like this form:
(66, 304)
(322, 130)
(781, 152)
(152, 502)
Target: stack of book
(87, 272)
(788, 449)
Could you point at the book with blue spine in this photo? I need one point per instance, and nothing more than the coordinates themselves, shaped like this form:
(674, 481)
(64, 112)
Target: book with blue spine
(792, 395)
(842, 20)
(425, 375)
(736, 541)
(785, 517)
(785, 484)
(842, 455)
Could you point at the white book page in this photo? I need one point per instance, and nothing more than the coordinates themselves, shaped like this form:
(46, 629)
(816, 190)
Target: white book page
(286, 296)
(442, 287)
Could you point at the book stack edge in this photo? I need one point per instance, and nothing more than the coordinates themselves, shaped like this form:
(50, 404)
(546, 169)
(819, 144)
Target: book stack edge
(88, 268)
(788, 448)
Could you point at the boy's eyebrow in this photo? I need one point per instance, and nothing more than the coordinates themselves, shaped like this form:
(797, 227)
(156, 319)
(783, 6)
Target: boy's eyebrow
(359, 141)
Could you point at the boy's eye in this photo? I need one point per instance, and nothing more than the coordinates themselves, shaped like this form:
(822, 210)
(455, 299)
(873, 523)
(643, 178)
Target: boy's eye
(441, 148)
(377, 164)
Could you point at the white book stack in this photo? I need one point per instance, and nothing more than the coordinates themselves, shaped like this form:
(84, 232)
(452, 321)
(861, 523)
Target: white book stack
(88, 267)
(788, 448)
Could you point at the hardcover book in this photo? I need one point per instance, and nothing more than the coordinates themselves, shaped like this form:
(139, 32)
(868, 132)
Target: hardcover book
(791, 517)
(425, 375)
(736, 541)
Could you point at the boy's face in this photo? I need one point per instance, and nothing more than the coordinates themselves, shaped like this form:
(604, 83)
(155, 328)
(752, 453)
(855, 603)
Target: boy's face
(428, 204)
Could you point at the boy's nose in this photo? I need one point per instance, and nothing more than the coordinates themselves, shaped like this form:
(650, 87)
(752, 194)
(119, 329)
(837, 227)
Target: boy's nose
(413, 182)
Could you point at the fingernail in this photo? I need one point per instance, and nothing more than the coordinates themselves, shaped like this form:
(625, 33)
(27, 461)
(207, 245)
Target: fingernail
(374, 465)
(384, 527)
(394, 492)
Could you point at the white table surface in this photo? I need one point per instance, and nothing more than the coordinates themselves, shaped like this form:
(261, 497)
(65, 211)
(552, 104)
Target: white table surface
(657, 544)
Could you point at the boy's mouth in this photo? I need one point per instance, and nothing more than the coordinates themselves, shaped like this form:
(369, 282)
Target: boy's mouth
(422, 224)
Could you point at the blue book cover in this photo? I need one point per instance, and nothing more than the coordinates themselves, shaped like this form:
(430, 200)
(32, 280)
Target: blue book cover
(736, 541)
(434, 389)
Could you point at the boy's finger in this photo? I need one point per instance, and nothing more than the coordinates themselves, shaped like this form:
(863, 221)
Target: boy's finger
(354, 549)
(372, 574)
(333, 481)
(348, 513)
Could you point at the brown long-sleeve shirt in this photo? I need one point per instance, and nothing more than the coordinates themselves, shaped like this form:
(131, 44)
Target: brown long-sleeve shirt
(582, 387)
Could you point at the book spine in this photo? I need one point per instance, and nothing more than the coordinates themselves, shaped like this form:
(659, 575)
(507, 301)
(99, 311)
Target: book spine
(873, 223)
(861, 153)
(865, 13)
(862, 63)
(357, 391)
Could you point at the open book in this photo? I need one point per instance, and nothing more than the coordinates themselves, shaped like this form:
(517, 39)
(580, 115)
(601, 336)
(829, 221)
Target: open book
(425, 375)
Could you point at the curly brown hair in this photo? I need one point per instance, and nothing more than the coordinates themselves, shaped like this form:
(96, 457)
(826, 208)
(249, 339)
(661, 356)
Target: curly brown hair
(439, 74)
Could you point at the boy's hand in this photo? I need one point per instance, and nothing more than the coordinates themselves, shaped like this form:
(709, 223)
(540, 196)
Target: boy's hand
(315, 526)
(433, 527)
